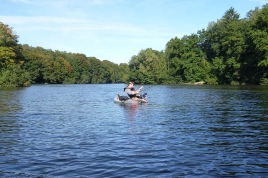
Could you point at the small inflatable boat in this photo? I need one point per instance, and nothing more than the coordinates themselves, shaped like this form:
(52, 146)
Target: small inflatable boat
(126, 100)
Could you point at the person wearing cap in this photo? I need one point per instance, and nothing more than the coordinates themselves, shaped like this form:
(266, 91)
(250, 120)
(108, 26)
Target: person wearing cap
(132, 93)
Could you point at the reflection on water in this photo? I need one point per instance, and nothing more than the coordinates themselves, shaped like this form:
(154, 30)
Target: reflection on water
(77, 131)
(9, 124)
(130, 110)
(10, 100)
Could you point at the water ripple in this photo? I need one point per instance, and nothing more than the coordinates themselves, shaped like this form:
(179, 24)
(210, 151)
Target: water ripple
(188, 131)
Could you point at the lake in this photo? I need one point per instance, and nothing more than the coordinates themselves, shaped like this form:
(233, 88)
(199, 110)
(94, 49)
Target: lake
(184, 131)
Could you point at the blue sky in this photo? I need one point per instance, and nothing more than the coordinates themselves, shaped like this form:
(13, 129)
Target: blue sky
(113, 30)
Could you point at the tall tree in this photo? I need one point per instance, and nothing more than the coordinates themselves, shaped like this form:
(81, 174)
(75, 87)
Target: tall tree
(187, 61)
(124, 72)
(11, 73)
(224, 43)
(148, 67)
(257, 48)
(9, 48)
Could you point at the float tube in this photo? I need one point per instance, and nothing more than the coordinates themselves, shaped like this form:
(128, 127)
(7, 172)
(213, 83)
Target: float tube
(126, 100)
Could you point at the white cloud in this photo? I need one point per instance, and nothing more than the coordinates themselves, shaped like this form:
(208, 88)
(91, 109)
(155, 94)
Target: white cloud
(261, 2)
(72, 25)
(20, 1)
(101, 2)
(64, 3)
(122, 27)
(37, 19)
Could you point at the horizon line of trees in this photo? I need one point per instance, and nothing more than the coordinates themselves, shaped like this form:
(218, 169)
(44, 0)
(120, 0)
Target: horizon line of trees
(229, 51)
(23, 65)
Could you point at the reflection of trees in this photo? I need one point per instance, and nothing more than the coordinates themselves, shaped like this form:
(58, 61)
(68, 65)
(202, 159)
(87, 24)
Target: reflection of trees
(10, 105)
(9, 126)
(9, 100)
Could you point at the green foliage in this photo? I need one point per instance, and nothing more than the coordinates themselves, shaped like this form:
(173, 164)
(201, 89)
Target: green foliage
(186, 61)
(99, 72)
(47, 66)
(9, 49)
(11, 73)
(148, 67)
(253, 65)
(224, 44)
(124, 72)
(14, 76)
(229, 51)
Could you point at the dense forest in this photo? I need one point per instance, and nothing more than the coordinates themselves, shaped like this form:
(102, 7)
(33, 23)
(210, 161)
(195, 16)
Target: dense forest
(232, 50)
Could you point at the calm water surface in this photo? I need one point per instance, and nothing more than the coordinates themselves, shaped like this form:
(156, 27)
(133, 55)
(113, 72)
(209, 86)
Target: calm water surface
(186, 131)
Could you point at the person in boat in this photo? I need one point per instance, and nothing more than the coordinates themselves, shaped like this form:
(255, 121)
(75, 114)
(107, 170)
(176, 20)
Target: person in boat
(132, 93)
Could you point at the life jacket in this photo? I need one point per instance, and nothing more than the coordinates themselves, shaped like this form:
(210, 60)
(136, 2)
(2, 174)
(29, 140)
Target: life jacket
(130, 95)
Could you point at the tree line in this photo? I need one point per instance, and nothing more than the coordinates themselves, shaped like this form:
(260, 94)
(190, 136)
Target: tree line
(23, 65)
(229, 51)
(232, 50)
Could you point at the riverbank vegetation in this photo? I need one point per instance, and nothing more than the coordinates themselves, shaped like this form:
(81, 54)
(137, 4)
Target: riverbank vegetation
(232, 50)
